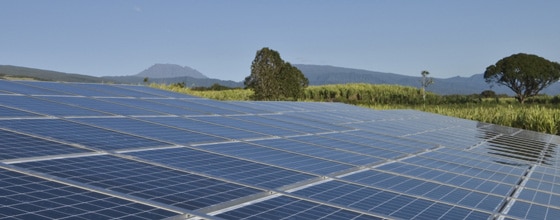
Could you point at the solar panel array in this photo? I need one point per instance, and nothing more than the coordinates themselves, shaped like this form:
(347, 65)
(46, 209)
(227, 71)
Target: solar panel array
(91, 151)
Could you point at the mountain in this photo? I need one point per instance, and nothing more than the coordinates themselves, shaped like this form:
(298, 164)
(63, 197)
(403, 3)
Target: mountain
(45, 75)
(475, 84)
(317, 75)
(160, 71)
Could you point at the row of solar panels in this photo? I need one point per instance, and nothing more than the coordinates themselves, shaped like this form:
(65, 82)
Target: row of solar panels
(98, 151)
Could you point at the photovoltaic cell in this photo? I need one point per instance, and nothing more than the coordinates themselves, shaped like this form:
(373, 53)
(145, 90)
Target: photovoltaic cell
(103, 106)
(14, 145)
(284, 207)
(229, 106)
(146, 181)
(249, 126)
(146, 129)
(88, 136)
(278, 158)
(46, 107)
(444, 193)
(18, 88)
(319, 151)
(149, 104)
(207, 128)
(113, 90)
(6, 112)
(225, 167)
(28, 197)
(386, 202)
(196, 107)
(327, 125)
(281, 124)
(349, 146)
(66, 88)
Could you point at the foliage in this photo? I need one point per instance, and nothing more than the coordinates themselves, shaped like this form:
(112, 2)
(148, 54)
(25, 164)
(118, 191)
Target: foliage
(273, 79)
(179, 85)
(223, 95)
(524, 74)
(213, 87)
(425, 82)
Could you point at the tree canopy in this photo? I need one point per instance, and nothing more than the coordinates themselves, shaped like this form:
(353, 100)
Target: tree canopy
(273, 79)
(524, 74)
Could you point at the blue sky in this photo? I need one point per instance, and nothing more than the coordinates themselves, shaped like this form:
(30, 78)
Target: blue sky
(220, 38)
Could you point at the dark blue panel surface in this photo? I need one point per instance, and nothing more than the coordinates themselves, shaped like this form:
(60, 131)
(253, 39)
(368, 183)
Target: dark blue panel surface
(193, 106)
(319, 151)
(349, 146)
(291, 118)
(384, 202)
(67, 88)
(114, 90)
(226, 167)
(19, 88)
(159, 184)
(151, 105)
(6, 112)
(88, 136)
(281, 124)
(46, 107)
(250, 126)
(279, 158)
(27, 197)
(103, 106)
(284, 207)
(151, 130)
(207, 128)
(14, 145)
(449, 193)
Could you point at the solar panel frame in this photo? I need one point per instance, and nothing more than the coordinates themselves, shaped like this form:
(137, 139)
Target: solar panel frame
(28, 197)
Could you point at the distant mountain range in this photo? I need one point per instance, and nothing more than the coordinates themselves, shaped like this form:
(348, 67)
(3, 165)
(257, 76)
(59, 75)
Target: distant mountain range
(317, 75)
(161, 71)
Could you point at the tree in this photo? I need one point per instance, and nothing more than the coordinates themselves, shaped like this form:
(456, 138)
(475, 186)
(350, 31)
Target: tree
(273, 79)
(425, 82)
(524, 74)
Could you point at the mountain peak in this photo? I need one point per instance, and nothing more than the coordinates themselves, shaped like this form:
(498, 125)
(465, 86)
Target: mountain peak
(158, 71)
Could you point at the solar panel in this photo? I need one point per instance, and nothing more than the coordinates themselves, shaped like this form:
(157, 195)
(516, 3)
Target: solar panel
(151, 130)
(18, 88)
(46, 107)
(103, 106)
(167, 186)
(28, 197)
(74, 133)
(14, 145)
(150, 105)
(232, 168)
(6, 112)
(98, 151)
(278, 158)
(207, 128)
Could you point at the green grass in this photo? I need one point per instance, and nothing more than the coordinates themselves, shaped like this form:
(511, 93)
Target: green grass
(541, 116)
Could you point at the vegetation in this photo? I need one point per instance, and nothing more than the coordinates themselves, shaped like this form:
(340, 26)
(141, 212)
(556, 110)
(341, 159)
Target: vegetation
(425, 82)
(539, 113)
(524, 74)
(273, 79)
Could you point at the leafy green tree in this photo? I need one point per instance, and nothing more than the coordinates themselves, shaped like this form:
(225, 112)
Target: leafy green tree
(273, 79)
(524, 74)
